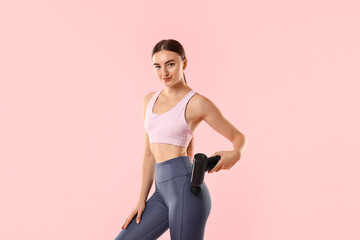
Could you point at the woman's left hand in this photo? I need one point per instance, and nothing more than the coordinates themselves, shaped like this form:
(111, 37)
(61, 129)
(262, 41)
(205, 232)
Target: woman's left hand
(227, 160)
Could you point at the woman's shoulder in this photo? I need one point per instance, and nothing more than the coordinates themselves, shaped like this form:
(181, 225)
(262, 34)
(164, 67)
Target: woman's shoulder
(147, 97)
(201, 103)
(146, 100)
(199, 98)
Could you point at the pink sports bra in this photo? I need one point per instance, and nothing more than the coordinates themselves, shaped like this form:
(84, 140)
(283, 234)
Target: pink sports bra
(169, 127)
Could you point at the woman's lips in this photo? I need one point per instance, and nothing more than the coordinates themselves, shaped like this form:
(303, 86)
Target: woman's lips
(167, 79)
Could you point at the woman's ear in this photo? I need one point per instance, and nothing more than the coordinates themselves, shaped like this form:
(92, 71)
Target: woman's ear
(185, 63)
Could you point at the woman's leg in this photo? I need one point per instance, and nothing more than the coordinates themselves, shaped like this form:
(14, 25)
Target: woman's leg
(153, 223)
(188, 213)
(196, 211)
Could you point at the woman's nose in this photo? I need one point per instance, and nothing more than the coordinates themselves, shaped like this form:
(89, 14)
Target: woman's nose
(165, 73)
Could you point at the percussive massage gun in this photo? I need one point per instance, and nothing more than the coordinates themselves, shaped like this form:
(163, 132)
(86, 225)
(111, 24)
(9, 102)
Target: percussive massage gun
(200, 165)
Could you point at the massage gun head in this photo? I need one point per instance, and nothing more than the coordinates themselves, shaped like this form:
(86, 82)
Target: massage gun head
(198, 172)
(195, 190)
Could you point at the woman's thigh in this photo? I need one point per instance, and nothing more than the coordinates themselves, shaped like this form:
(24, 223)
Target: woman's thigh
(188, 213)
(153, 223)
(196, 212)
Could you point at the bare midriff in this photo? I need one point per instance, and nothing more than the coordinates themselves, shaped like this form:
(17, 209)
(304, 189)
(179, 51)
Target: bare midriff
(163, 152)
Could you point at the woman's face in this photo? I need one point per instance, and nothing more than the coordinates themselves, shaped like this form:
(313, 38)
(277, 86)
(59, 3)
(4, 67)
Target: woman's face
(168, 67)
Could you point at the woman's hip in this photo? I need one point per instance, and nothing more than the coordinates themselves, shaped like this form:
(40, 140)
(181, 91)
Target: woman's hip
(172, 168)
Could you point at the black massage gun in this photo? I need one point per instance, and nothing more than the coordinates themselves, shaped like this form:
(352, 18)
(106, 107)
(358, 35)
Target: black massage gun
(200, 165)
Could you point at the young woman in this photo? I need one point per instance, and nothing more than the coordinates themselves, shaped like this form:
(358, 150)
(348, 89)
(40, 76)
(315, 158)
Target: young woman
(170, 117)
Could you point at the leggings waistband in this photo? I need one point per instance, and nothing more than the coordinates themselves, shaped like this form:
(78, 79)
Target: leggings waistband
(174, 167)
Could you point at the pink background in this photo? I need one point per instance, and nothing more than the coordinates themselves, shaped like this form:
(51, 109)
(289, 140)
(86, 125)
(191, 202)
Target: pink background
(285, 73)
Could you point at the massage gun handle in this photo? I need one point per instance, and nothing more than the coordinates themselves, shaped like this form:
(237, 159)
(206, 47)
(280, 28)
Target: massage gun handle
(212, 161)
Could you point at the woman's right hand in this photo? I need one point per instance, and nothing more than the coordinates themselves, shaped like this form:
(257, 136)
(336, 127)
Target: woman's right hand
(138, 209)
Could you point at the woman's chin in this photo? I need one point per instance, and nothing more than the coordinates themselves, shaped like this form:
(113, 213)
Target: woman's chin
(167, 82)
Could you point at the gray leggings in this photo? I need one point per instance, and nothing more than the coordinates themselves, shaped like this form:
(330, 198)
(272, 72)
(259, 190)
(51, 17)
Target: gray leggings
(172, 205)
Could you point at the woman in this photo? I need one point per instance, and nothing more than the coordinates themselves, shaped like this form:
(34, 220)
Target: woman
(170, 118)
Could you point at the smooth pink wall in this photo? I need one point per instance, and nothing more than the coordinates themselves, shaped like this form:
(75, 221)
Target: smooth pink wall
(285, 73)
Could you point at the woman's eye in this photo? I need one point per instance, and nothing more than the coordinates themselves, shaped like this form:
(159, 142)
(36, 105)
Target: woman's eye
(170, 64)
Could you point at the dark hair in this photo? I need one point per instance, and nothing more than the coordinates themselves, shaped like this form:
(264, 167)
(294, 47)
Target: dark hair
(171, 45)
(174, 46)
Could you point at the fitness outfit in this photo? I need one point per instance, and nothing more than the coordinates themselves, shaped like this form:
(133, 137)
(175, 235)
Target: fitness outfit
(172, 205)
(169, 127)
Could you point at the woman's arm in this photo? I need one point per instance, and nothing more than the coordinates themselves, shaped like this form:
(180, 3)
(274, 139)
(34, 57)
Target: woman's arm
(148, 164)
(214, 118)
(148, 171)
